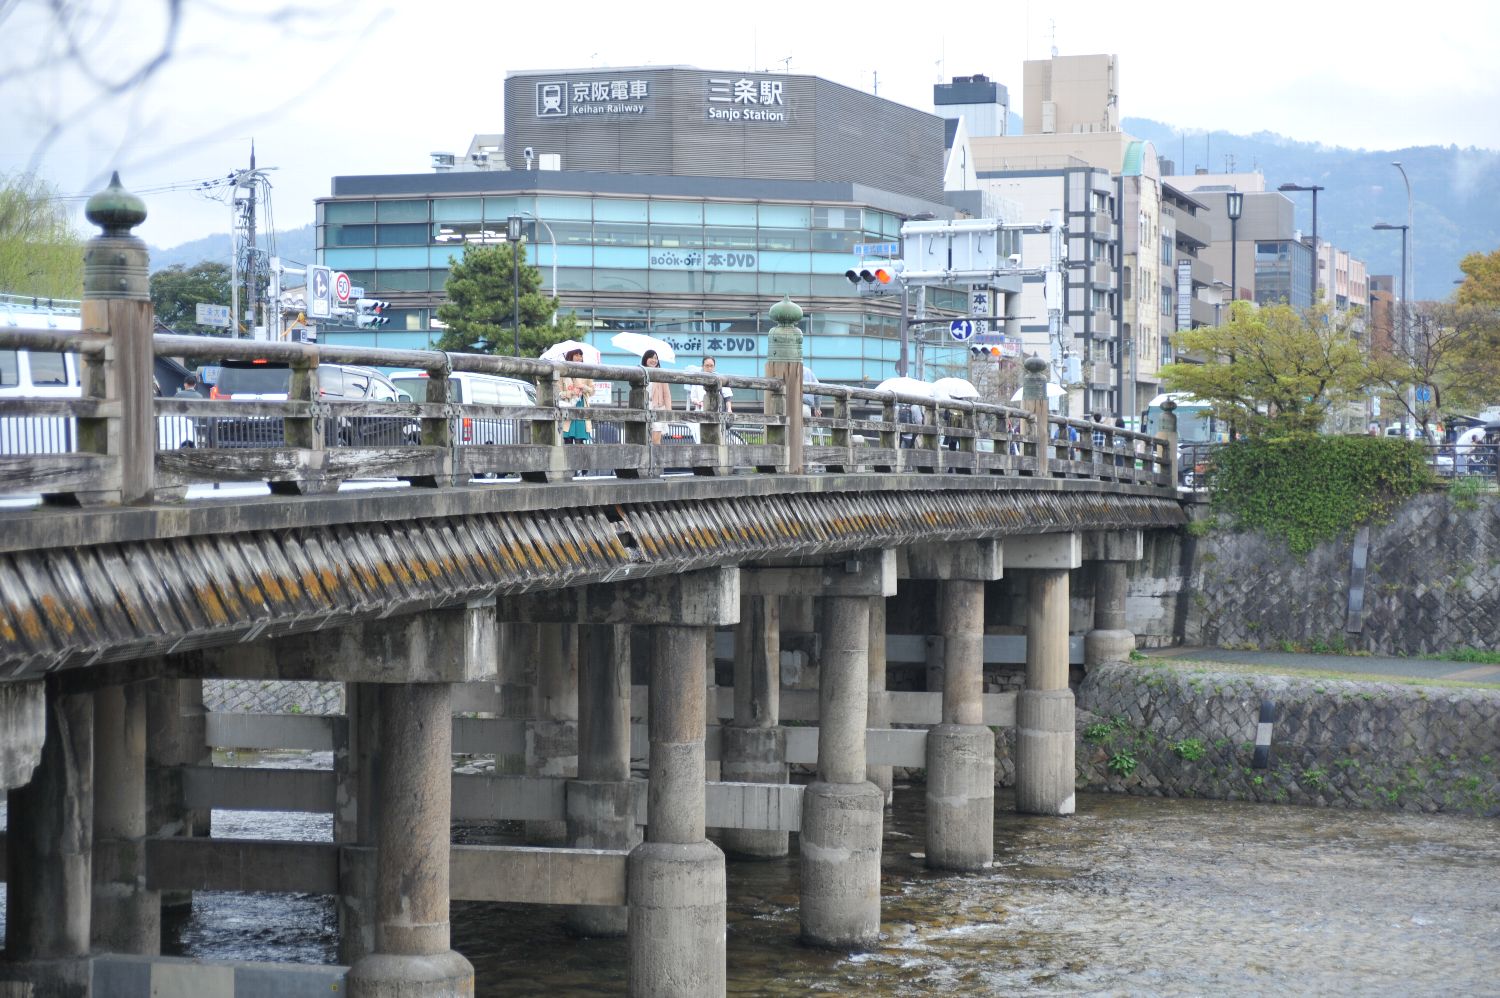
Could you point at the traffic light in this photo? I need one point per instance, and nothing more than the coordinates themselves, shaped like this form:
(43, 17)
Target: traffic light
(369, 312)
(980, 350)
(872, 280)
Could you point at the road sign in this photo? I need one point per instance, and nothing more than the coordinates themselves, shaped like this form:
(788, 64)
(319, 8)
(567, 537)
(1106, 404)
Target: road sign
(212, 315)
(1424, 393)
(961, 329)
(341, 286)
(319, 292)
(877, 249)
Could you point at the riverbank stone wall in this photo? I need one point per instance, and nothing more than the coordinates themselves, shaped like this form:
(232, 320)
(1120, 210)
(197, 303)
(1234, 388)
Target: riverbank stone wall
(1157, 730)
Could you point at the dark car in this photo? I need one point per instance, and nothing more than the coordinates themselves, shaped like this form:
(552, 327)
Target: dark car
(263, 381)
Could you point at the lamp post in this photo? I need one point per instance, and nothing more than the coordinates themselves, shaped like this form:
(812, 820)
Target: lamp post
(513, 226)
(1411, 401)
(1234, 207)
(1408, 265)
(1317, 260)
(550, 235)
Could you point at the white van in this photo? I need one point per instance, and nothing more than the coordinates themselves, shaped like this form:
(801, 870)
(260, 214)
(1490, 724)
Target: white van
(46, 374)
(471, 388)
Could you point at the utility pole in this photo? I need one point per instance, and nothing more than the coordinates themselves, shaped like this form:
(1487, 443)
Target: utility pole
(252, 271)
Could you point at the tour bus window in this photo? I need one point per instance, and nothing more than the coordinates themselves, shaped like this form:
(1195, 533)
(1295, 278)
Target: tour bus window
(10, 371)
(48, 369)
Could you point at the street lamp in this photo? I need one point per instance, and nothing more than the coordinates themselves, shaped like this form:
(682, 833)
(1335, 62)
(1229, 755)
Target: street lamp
(1317, 260)
(513, 226)
(1388, 227)
(1408, 267)
(553, 237)
(1234, 207)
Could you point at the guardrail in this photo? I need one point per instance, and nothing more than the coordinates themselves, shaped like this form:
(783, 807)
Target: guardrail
(77, 450)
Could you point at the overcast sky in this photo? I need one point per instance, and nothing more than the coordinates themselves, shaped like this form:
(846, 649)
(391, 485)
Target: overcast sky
(365, 87)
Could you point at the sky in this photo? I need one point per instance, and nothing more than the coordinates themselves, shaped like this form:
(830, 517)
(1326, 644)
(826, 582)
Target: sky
(362, 87)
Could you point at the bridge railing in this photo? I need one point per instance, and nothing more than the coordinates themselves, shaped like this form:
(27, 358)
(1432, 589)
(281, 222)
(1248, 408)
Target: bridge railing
(72, 449)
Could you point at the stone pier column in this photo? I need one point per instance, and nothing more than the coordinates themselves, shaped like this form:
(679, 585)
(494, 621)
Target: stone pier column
(413, 956)
(601, 802)
(841, 810)
(176, 736)
(754, 749)
(879, 710)
(1044, 710)
(356, 761)
(676, 877)
(126, 917)
(1110, 640)
(49, 868)
(960, 749)
(552, 735)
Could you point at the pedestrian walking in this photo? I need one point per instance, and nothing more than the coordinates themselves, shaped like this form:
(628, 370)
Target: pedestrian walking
(575, 392)
(660, 397)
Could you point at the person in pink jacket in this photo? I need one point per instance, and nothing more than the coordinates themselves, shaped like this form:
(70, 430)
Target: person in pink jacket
(660, 397)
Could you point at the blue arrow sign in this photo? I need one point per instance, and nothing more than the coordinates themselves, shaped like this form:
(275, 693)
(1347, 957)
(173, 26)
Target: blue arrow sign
(961, 329)
(1424, 393)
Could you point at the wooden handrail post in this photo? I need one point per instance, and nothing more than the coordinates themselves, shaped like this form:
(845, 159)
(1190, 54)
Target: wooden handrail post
(306, 433)
(638, 432)
(784, 362)
(1034, 400)
(1168, 437)
(117, 300)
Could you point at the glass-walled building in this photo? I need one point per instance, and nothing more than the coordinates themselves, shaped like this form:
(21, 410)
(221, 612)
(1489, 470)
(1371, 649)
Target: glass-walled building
(696, 259)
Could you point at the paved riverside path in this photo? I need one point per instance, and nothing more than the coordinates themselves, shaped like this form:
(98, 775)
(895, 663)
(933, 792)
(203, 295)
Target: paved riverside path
(1408, 668)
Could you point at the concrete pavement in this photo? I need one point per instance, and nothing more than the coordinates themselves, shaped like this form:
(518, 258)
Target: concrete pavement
(1410, 668)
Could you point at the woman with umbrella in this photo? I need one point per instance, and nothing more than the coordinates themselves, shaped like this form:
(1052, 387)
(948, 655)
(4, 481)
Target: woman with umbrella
(660, 396)
(576, 392)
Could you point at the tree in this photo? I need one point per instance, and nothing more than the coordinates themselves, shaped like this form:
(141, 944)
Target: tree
(40, 253)
(177, 290)
(1451, 349)
(478, 309)
(1272, 369)
(1481, 285)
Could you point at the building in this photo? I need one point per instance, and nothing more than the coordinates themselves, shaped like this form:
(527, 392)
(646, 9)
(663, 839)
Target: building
(671, 199)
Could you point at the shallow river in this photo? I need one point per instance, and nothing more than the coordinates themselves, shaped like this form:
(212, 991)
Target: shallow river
(1130, 896)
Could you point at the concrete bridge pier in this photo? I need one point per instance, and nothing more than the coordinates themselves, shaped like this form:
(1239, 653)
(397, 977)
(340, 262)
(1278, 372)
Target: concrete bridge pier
(1044, 709)
(356, 761)
(878, 710)
(126, 917)
(49, 856)
(552, 732)
(1110, 640)
(754, 749)
(176, 737)
(961, 749)
(675, 878)
(601, 801)
(842, 811)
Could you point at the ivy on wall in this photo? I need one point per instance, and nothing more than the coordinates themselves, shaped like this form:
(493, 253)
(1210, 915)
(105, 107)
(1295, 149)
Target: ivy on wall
(1307, 488)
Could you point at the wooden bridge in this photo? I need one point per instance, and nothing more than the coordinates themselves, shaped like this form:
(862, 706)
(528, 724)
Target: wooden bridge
(435, 573)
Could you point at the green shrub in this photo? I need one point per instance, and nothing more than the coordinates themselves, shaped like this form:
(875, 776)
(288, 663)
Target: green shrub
(1123, 763)
(1190, 749)
(1307, 489)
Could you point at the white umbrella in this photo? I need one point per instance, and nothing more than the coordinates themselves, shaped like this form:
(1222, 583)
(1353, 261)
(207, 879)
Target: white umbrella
(1053, 392)
(639, 343)
(955, 388)
(559, 351)
(905, 386)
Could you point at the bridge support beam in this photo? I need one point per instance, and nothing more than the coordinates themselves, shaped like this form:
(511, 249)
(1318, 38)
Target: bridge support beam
(413, 957)
(126, 917)
(23, 726)
(601, 801)
(960, 750)
(1044, 709)
(1110, 640)
(754, 749)
(356, 761)
(49, 856)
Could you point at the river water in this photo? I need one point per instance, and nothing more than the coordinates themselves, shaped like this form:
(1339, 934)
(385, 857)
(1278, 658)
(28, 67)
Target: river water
(1130, 896)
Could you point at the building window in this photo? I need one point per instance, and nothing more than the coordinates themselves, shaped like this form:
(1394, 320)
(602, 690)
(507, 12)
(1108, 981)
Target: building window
(402, 211)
